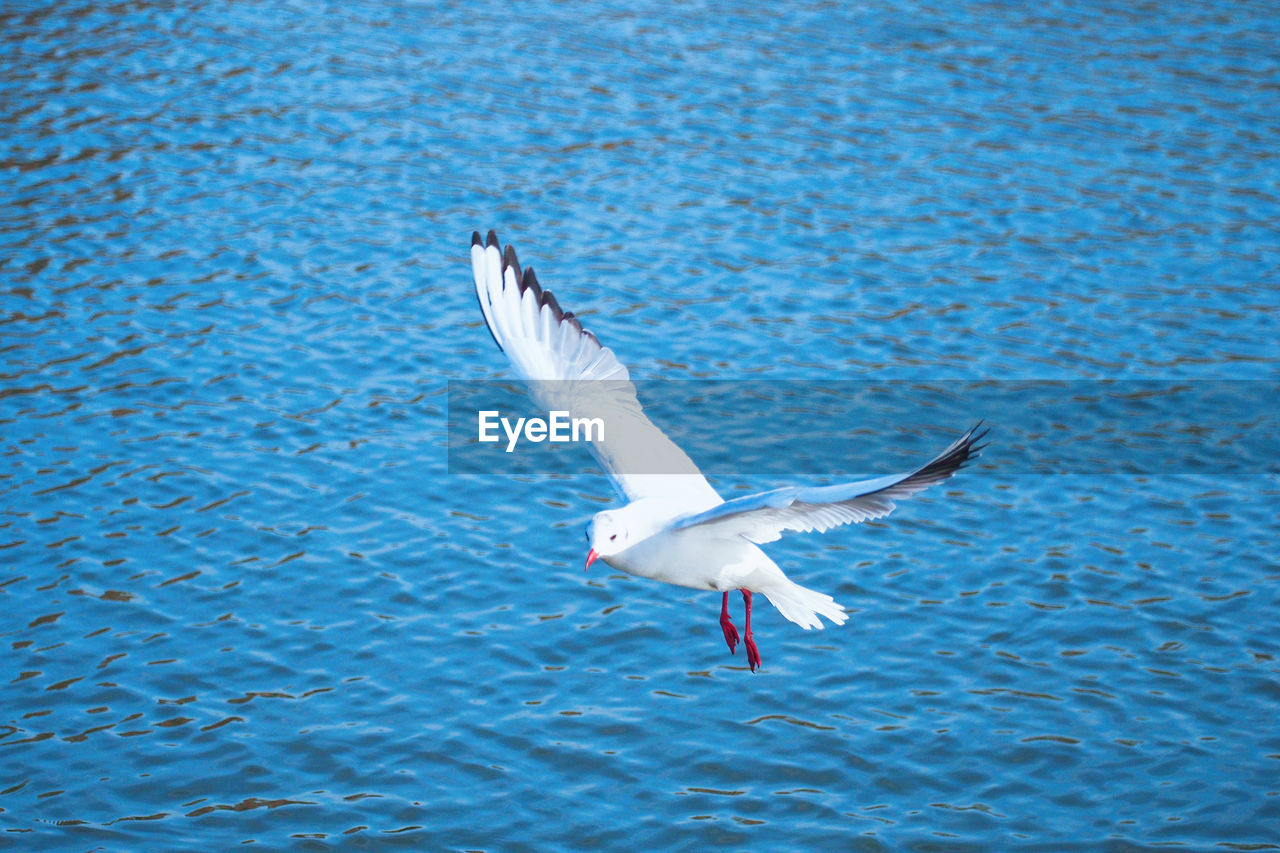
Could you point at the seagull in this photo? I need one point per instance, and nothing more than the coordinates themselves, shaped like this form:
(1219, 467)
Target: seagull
(674, 526)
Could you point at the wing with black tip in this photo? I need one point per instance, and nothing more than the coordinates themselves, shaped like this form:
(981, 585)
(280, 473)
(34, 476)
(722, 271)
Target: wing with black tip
(766, 516)
(568, 369)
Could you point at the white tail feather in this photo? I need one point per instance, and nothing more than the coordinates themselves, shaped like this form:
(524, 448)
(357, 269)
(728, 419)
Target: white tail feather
(803, 606)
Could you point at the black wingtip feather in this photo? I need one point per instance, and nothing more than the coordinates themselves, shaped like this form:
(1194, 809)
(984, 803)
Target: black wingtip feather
(492, 239)
(509, 261)
(975, 437)
(951, 461)
(549, 300)
(530, 282)
(475, 239)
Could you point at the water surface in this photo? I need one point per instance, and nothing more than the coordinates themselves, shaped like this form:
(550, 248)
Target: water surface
(243, 602)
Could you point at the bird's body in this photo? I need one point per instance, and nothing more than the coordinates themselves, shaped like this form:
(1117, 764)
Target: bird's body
(675, 528)
(698, 559)
(693, 559)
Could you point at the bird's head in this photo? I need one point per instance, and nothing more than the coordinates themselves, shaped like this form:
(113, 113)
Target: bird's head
(607, 536)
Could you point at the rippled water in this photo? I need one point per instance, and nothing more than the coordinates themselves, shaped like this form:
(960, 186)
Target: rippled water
(243, 602)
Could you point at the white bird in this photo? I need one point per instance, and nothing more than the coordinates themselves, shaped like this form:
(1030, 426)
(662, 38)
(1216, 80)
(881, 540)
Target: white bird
(675, 527)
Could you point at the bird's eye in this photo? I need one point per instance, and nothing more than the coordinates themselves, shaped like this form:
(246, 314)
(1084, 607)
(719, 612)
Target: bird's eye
(613, 537)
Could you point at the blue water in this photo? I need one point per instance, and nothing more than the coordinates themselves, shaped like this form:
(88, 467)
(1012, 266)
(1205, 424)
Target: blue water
(243, 602)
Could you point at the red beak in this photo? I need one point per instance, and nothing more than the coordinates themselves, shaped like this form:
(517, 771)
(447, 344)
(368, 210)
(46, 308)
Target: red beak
(592, 556)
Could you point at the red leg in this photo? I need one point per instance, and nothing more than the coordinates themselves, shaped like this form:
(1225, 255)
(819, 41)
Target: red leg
(726, 625)
(753, 654)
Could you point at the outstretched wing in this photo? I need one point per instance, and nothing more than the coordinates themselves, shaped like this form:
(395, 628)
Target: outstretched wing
(567, 369)
(764, 517)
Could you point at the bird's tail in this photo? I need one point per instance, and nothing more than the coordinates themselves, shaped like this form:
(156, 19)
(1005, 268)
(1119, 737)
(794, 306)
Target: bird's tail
(803, 606)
